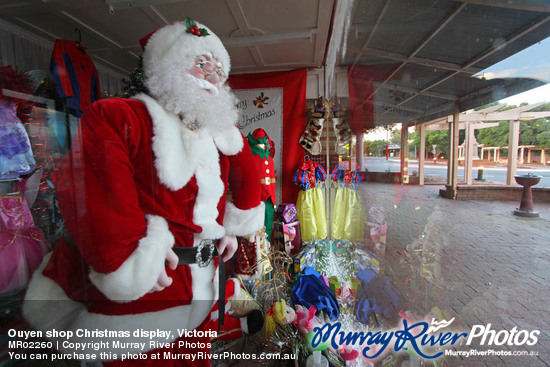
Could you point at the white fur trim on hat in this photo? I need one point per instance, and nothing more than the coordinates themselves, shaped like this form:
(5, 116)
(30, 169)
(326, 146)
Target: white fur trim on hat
(140, 272)
(173, 43)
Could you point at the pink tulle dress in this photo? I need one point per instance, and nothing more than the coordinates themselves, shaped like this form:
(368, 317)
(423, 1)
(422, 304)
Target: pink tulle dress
(22, 244)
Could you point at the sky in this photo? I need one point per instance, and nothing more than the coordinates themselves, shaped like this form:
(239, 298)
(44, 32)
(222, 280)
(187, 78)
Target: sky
(540, 94)
(533, 62)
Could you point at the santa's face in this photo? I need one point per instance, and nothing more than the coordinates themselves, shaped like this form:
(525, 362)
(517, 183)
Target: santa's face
(194, 89)
(209, 70)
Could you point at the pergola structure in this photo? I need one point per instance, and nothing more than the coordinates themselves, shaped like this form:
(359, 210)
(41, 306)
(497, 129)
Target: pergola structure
(471, 121)
(495, 151)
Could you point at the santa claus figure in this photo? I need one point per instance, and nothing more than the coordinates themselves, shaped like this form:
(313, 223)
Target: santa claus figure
(143, 193)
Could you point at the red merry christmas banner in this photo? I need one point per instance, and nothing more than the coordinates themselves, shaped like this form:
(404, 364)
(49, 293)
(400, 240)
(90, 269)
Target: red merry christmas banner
(293, 84)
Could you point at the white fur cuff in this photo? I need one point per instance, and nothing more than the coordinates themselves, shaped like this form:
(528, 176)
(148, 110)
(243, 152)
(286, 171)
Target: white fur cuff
(139, 273)
(239, 222)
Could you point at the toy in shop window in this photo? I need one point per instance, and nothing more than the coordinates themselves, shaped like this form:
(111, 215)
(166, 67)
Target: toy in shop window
(286, 213)
(16, 156)
(243, 314)
(22, 244)
(290, 235)
(286, 237)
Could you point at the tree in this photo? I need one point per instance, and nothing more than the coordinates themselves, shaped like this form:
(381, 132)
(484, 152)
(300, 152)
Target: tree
(136, 83)
(543, 139)
(532, 132)
(433, 137)
(439, 138)
(395, 136)
(377, 148)
(494, 136)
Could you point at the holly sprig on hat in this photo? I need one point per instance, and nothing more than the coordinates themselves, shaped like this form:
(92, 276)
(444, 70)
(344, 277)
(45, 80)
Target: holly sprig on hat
(193, 28)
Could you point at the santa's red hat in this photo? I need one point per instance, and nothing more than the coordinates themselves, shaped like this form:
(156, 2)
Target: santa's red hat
(183, 39)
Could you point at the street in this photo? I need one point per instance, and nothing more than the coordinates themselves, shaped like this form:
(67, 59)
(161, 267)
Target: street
(494, 174)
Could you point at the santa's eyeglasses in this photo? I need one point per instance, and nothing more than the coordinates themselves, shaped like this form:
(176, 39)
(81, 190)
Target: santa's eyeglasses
(209, 67)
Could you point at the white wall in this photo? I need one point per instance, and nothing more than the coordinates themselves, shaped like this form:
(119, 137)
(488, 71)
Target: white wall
(316, 83)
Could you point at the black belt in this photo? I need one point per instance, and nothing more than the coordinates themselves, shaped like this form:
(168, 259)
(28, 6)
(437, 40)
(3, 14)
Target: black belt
(202, 255)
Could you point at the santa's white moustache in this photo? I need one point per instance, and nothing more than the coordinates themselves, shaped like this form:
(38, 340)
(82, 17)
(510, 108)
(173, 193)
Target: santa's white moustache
(191, 98)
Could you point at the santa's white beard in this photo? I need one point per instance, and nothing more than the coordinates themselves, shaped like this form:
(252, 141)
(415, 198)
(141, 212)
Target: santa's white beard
(197, 105)
(205, 84)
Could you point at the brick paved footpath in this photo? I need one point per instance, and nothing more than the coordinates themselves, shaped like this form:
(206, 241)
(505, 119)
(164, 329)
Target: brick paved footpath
(473, 259)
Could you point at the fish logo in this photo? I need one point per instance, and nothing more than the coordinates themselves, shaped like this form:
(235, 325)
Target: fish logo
(439, 325)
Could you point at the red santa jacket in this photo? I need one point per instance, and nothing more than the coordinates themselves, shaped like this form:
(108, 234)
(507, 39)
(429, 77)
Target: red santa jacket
(136, 183)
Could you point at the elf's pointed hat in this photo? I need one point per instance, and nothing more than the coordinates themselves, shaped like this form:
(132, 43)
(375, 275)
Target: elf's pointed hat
(260, 133)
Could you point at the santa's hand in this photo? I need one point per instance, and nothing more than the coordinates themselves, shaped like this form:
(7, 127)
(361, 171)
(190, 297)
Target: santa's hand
(164, 280)
(227, 246)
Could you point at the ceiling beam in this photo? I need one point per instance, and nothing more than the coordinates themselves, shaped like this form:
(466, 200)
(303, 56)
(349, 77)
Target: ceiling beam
(508, 4)
(31, 25)
(449, 97)
(127, 4)
(492, 108)
(493, 114)
(404, 108)
(324, 19)
(424, 42)
(244, 30)
(447, 106)
(373, 31)
(462, 126)
(509, 39)
(481, 95)
(422, 61)
(91, 29)
(336, 45)
(427, 40)
(237, 11)
(155, 15)
(247, 41)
